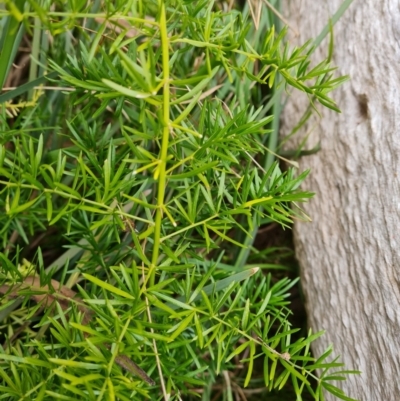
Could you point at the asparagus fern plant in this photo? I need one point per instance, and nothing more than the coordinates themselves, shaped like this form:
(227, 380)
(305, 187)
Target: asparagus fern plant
(132, 186)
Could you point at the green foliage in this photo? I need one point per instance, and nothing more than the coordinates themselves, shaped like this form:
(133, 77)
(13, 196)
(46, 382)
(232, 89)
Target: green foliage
(151, 166)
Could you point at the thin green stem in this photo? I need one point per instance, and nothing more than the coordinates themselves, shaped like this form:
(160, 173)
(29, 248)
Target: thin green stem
(343, 7)
(33, 70)
(162, 176)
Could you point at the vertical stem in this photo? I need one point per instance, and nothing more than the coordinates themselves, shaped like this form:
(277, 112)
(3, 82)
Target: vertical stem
(164, 142)
(35, 54)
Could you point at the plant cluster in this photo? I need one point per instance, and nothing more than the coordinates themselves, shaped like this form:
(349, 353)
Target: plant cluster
(133, 184)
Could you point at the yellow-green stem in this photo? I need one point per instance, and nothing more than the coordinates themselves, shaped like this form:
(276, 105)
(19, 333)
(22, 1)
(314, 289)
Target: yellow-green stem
(164, 143)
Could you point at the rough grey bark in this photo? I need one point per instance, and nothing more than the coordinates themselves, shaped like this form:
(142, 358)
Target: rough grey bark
(350, 253)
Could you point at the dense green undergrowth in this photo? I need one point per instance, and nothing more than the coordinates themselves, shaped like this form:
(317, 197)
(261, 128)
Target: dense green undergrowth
(133, 184)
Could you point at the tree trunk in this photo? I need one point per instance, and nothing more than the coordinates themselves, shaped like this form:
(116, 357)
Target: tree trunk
(350, 253)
